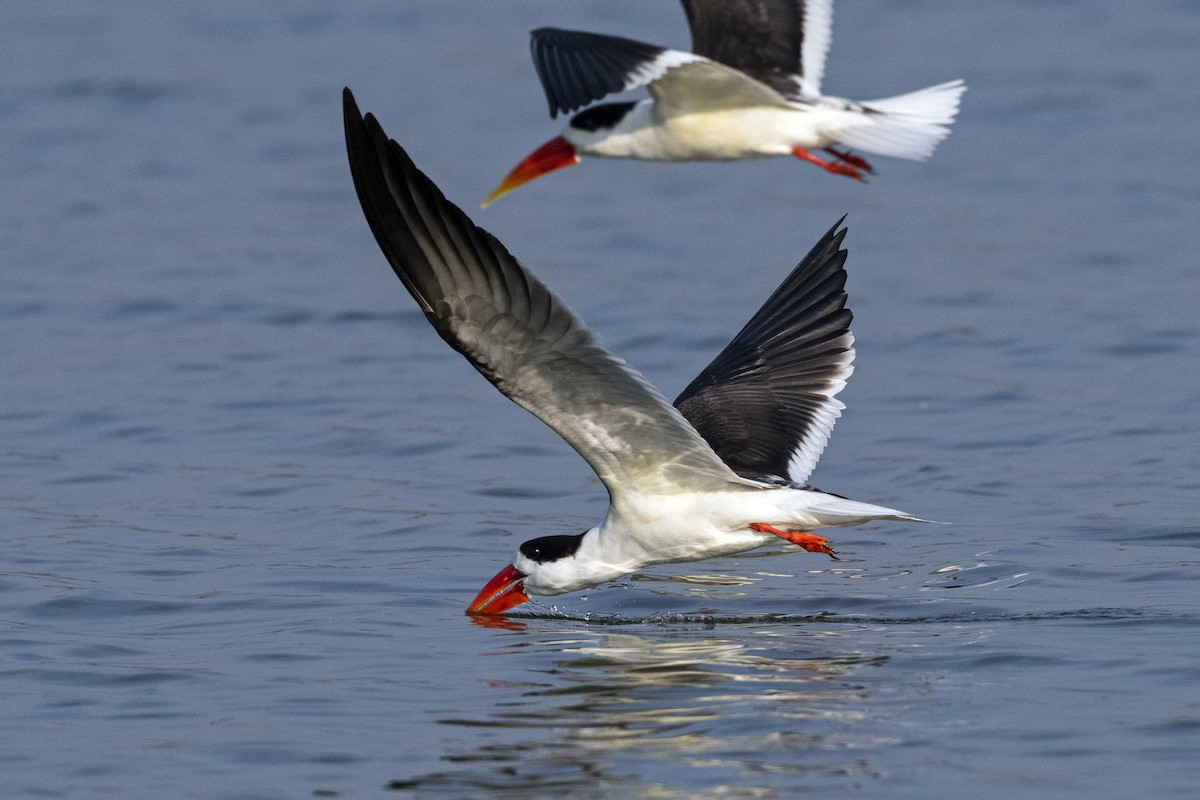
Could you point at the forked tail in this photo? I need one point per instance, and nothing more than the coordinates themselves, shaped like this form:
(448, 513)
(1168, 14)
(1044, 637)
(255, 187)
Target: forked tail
(907, 125)
(834, 511)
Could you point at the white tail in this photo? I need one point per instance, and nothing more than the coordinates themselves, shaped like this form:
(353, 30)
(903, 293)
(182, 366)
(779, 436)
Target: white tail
(907, 125)
(836, 511)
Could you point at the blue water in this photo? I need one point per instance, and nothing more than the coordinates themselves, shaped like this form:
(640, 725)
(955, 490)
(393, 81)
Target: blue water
(246, 492)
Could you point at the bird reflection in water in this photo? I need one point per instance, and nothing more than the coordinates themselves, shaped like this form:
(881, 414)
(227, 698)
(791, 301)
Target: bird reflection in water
(500, 623)
(694, 711)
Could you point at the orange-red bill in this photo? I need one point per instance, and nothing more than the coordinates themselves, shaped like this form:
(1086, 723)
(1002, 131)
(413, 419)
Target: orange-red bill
(554, 154)
(503, 592)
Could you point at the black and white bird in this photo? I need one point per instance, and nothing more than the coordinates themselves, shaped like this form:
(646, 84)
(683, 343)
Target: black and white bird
(750, 88)
(721, 471)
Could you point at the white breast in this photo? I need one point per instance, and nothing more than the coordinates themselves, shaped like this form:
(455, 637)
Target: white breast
(721, 135)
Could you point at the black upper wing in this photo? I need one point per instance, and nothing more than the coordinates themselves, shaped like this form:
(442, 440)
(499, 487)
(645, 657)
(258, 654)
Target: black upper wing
(766, 404)
(775, 41)
(576, 68)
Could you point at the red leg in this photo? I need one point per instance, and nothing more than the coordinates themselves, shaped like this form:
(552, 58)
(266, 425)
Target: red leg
(836, 169)
(853, 159)
(809, 541)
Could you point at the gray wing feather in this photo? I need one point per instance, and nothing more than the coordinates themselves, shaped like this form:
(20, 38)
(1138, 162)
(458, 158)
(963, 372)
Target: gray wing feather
(516, 332)
(576, 68)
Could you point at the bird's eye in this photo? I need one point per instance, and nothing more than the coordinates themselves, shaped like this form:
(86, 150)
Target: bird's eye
(550, 548)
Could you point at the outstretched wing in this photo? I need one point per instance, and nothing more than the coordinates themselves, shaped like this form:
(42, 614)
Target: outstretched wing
(782, 43)
(766, 404)
(576, 68)
(516, 332)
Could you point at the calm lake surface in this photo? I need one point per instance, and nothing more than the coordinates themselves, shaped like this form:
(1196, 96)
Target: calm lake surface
(246, 492)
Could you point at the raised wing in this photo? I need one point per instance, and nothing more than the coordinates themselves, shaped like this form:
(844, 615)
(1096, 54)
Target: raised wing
(766, 404)
(576, 68)
(782, 43)
(516, 332)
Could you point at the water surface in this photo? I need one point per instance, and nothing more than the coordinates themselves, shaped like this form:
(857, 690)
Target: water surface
(246, 492)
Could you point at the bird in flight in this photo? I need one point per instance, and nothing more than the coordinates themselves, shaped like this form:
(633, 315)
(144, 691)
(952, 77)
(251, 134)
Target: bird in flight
(720, 471)
(750, 88)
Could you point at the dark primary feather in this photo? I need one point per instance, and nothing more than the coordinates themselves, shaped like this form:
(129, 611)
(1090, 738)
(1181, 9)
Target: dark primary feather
(763, 38)
(760, 399)
(514, 330)
(576, 68)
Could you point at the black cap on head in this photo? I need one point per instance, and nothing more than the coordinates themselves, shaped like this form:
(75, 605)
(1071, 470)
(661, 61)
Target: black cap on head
(551, 548)
(605, 115)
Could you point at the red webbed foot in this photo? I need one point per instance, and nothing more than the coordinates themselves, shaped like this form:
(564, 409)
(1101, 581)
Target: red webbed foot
(853, 159)
(835, 168)
(809, 541)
